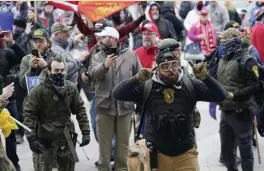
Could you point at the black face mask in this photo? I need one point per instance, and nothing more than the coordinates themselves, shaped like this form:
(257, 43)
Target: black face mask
(58, 80)
(232, 46)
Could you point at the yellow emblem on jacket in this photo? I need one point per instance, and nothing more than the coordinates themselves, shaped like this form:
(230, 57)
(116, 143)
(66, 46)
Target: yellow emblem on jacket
(169, 95)
(255, 70)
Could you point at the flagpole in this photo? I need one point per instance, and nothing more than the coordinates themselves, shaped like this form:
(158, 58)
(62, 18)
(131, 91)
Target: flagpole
(22, 125)
(36, 11)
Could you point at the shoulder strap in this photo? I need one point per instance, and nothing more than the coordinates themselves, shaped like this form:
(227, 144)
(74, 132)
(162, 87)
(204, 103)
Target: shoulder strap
(186, 81)
(146, 93)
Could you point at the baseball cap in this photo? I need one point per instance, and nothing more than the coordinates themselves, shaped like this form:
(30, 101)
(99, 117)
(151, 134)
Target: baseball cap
(40, 34)
(231, 24)
(204, 11)
(149, 26)
(58, 27)
(108, 31)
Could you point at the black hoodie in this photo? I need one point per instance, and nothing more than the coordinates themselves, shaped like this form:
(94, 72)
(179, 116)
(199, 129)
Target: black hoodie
(170, 15)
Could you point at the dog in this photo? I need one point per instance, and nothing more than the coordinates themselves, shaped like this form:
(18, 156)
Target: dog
(138, 155)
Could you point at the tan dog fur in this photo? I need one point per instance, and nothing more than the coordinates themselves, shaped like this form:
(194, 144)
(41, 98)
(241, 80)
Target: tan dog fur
(138, 155)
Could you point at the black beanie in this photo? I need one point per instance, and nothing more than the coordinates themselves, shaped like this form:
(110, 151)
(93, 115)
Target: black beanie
(20, 22)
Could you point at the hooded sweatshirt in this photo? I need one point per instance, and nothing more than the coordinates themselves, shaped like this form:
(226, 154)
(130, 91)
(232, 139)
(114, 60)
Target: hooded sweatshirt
(165, 27)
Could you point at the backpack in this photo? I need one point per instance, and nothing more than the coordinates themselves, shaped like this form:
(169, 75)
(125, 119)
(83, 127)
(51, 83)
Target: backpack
(147, 89)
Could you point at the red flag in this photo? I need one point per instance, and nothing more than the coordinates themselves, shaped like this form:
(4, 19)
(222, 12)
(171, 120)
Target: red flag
(65, 5)
(98, 10)
(93, 10)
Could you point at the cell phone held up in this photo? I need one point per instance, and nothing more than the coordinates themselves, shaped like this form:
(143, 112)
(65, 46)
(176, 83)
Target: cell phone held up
(35, 52)
(3, 33)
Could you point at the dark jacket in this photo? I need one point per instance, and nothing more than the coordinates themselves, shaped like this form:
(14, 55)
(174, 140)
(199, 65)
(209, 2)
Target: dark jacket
(45, 105)
(236, 74)
(176, 22)
(131, 90)
(234, 16)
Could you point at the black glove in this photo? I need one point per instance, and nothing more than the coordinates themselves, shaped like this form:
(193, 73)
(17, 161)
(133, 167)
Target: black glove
(85, 140)
(35, 145)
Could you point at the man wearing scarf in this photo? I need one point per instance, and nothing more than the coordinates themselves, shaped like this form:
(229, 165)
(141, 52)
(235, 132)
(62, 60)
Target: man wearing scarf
(238, 73)
(47, 112)
(169, 109)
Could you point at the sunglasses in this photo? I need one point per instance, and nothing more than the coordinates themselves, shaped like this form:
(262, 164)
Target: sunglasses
(165, 66)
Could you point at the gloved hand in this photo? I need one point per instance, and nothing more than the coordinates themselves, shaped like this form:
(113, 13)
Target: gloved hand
(200, 70)
(144, 75)
(230, 96)
(35, 145)
(85, 140)
(196, 118)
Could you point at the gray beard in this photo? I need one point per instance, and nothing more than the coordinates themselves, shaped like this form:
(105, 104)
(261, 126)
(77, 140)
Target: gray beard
(147, 43)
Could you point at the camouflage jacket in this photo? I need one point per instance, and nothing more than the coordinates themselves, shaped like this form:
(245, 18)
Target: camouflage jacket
(44, 105)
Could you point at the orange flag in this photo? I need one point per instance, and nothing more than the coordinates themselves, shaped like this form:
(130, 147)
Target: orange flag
(98, 10)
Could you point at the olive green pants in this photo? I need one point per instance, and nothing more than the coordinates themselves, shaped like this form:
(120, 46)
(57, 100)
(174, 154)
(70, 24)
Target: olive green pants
(107, 128)
(187, 161)
(54, 157)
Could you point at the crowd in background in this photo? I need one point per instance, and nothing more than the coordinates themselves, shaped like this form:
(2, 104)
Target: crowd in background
(73, 35)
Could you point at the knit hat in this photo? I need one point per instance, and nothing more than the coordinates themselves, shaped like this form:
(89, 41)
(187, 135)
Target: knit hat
(229, 34)
(20, 22)
(165, 57)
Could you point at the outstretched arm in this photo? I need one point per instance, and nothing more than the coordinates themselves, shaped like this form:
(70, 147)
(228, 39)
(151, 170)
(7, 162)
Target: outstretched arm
(124, 30)
(209, 90)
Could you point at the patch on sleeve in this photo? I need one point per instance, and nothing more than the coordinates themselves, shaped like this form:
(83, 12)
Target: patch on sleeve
(255, 70)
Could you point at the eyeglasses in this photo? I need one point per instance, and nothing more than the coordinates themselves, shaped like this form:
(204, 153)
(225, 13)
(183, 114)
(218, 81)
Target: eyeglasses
(165, 66)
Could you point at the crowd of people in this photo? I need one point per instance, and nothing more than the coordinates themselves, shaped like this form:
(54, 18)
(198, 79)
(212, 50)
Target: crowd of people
(64, 53)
